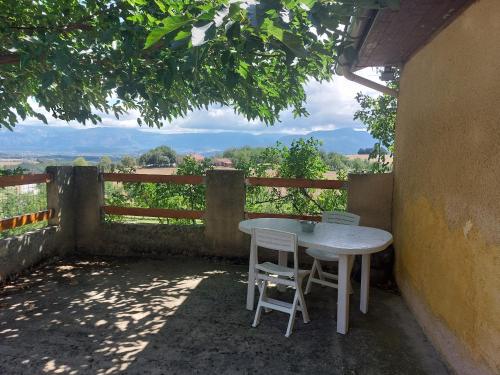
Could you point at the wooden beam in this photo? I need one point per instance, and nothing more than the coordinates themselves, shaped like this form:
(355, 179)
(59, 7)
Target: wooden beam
(24, 179)
(256, 215)
(9, 59)
(296, 183)
(153, 212)
(154, 178)
(19, 221)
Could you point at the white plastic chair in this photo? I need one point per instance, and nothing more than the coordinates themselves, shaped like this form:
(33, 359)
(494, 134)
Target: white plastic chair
(281, 275)
(336, 217)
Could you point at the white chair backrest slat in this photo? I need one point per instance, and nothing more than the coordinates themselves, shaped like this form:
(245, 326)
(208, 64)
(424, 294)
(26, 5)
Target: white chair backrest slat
(275, 240)
(278, 241)
(337, 217)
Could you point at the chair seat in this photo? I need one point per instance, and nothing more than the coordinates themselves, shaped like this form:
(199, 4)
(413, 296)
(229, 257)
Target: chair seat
(279, 270)
(324, 255)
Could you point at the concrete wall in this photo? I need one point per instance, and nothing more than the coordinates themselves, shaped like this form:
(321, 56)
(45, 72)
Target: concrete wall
(77, 194)
(150, 240)
(88, 200)
(21, 252)
(446, 218)
(219, 236)
(225, 208)
(61, 198)
(370, 196)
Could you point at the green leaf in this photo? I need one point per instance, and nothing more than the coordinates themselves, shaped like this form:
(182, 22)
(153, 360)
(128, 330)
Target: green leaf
(41, 117)
(243, 69)
(160, 5)
(234, 9)
(291, 41)
(269, 27)
(182, 35)
(48, 78)
(294, 44)
(308, 3)
(169, 24)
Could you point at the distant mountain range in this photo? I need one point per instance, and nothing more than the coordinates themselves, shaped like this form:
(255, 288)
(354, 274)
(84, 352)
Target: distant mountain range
(49, 141)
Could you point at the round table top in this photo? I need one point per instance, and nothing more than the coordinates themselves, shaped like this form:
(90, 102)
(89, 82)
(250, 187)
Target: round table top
(338, 238)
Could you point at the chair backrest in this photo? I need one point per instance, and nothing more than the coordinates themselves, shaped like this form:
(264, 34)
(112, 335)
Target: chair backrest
(338, 217)
(276, 240)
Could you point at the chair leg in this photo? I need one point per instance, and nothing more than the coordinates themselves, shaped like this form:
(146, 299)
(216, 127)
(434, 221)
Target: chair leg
(311, 276)
(260, 283)
(256, 320)
(291, 321)
(302, 301)
(320, 272)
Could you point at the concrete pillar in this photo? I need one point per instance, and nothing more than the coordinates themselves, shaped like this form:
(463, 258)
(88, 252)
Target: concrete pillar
(225, 208)
(370, 196)
(60, 198)
(89, 197)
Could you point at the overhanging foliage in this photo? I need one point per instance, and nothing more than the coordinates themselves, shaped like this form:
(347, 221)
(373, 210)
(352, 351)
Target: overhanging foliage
(165, 58)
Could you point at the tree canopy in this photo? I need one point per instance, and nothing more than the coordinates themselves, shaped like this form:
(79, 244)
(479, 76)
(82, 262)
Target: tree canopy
(162, 156)
(379, 115)
(106, 164)
(80, 162)
(165, 58)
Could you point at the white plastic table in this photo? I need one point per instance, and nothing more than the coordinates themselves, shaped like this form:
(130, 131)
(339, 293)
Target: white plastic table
(342, 240)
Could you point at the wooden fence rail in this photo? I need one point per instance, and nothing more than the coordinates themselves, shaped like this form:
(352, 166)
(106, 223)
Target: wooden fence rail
(256, 215)
(196, 180)
(21, 220)
(296, 183)
(29, 218)
(250, 181)
(153, 212)
(154, 178)
(24, 179)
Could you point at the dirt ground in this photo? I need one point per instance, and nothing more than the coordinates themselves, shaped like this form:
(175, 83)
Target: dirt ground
(184, 316)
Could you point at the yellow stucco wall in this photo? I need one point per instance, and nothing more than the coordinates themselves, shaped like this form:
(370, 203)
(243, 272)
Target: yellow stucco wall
(446, 213)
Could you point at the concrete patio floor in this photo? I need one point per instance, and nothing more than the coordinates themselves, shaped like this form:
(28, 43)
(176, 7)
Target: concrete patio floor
(185, 315)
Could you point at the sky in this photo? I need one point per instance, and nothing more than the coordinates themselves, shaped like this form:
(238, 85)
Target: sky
(331, 105)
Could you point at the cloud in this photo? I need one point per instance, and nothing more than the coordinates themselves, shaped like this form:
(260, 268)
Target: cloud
(331, 105)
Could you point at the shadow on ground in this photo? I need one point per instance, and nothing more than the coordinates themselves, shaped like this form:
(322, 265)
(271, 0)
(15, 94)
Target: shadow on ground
(184, 315)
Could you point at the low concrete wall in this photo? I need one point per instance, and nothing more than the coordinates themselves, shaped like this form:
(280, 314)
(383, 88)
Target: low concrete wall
(76, 195)
(150, 240)
(220, 236)
(20, 252)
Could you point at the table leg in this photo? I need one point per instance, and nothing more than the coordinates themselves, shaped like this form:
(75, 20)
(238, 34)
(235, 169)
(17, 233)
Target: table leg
(365, 282)
(343, 295)
(251, 276)
(282, 261)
